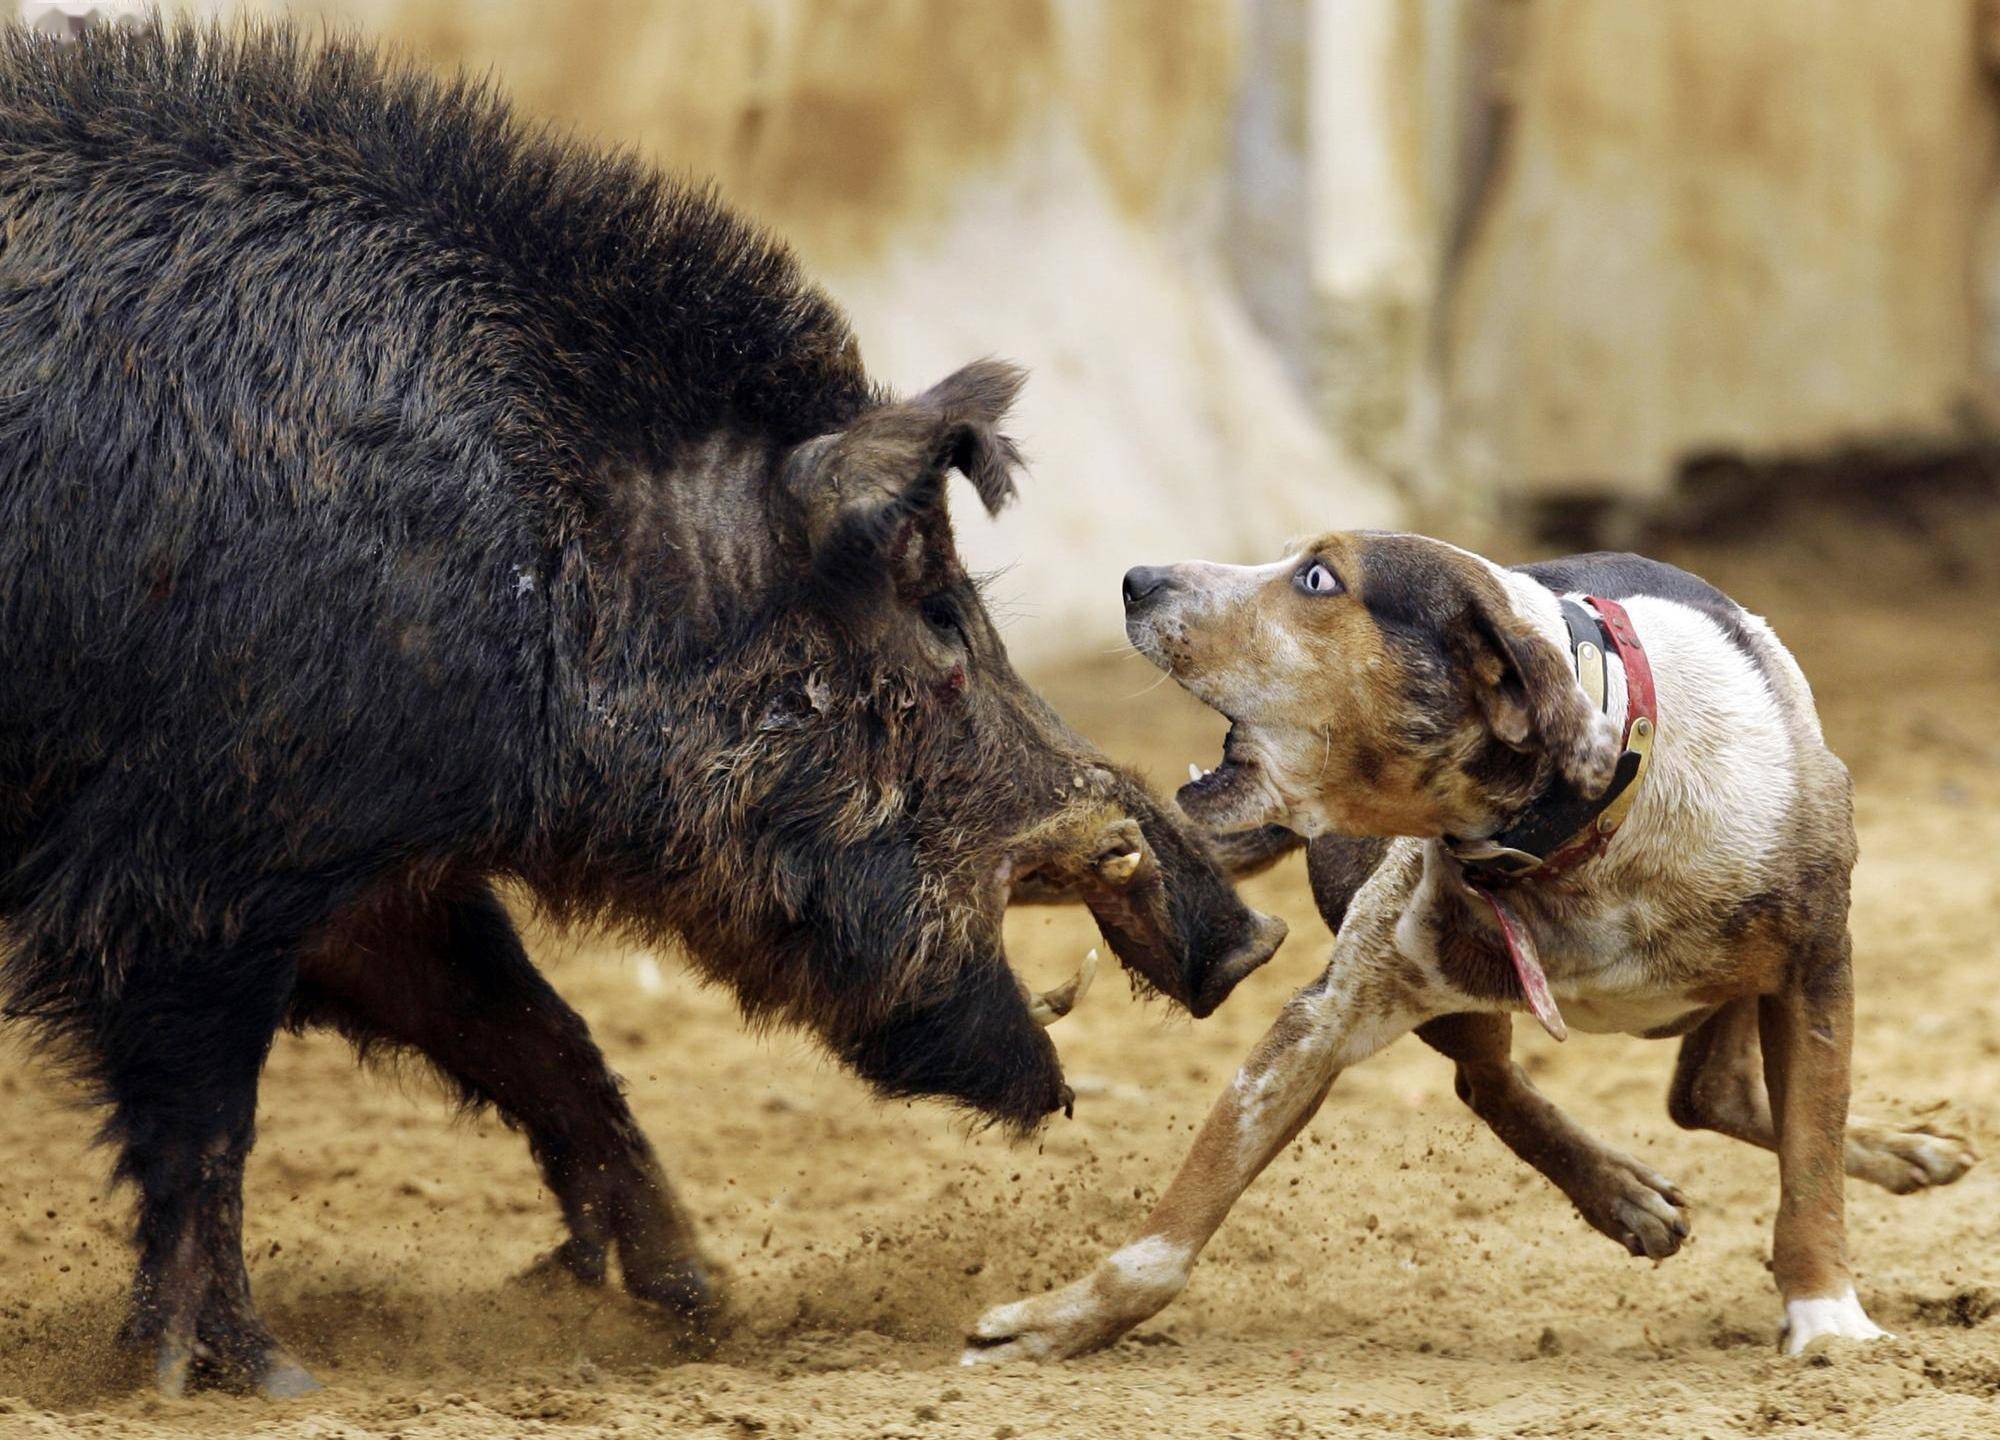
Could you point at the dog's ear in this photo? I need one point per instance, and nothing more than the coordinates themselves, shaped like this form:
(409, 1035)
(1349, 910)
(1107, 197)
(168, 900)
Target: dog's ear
(1531, 700)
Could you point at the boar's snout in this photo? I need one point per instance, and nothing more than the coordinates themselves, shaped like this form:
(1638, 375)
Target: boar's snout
(1266, 934)
(1156, 894)
(1188, 934)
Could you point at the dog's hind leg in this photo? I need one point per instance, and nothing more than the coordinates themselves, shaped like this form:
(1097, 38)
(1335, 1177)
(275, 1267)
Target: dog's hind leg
(1719, 1085)
(1633, 1204)
(1807, 1033)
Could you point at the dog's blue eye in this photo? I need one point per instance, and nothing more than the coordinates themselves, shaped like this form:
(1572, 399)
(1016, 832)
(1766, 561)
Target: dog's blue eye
(1316, 579)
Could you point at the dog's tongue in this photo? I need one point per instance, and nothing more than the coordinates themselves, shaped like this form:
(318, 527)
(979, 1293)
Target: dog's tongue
(1527, 964)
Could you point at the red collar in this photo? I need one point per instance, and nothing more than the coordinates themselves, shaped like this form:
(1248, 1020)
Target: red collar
(1561, 828)
(1642, 723)
(1510, 858)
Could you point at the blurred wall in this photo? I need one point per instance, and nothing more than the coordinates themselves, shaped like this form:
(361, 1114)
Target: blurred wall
(1723, 225)
(1040, 179)
(1284, 264)
(1280, 265)
(1557, 247)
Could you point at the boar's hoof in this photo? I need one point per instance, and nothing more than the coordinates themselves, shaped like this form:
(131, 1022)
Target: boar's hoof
(285, 1379)
(216, 1342)
(682, 1289)
(180, 1364)
(173, 1365)
(676, 1286)
(578, 1259)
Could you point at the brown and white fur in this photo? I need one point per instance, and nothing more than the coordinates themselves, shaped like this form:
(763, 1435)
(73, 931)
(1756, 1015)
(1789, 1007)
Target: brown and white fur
(1397, 687)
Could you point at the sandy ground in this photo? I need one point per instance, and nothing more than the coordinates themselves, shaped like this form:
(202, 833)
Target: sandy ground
(1397, 1273)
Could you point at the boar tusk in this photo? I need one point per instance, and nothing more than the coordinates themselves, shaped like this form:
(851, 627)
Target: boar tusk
(1120, 868)
(1051, 1005)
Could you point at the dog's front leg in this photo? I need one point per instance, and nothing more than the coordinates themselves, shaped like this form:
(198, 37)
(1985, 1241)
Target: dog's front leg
(1807, 1030)
(1348, 1014)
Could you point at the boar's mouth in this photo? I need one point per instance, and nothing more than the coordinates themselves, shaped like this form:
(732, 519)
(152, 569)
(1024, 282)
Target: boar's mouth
(1048, 1006)
(1163, 907)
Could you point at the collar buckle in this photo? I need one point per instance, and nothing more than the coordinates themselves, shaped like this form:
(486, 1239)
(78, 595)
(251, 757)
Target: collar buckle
(1638, 743)
(1494, 859)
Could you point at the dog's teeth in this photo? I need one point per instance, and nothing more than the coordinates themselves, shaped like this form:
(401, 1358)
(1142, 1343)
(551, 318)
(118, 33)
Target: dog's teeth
(1194, 771)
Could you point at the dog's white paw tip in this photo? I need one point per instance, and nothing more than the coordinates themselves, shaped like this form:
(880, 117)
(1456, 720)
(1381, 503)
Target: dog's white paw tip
(1002, 1322)
(986, 1350)
(1831, 1317)
(1942, 1159)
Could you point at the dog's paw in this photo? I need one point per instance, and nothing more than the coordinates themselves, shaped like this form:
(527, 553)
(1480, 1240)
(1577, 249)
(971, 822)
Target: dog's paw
(1066, 1322)
(1128, 1289)
(1902, 1160)
(1831, 1317)
(1635, 1205)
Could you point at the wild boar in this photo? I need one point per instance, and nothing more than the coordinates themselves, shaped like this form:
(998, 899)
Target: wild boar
(396, 500)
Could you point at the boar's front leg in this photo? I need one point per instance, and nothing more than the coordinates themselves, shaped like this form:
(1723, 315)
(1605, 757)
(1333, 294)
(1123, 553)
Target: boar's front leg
(178, 1046)
(448, 978)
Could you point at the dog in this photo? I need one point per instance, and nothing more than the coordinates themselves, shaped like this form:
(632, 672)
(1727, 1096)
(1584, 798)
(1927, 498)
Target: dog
(1593, 790)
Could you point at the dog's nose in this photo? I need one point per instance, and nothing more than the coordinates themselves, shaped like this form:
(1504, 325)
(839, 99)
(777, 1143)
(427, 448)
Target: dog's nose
(1142, 581)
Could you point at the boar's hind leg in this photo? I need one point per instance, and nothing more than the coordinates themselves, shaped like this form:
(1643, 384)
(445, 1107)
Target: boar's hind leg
(179, 1049)
(449, 979)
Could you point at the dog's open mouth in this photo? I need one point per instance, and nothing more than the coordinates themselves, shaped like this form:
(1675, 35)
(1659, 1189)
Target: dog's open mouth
(1232, 796)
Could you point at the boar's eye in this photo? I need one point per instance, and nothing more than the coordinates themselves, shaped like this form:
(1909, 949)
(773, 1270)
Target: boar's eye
(1317, 579)
(940, 612)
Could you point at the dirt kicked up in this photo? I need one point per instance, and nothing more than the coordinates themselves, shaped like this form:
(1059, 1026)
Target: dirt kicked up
(1396, 1273)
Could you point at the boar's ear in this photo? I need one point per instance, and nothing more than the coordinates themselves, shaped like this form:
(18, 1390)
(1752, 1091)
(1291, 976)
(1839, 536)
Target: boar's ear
(1531, 699)
(862, 490)
(969, 403)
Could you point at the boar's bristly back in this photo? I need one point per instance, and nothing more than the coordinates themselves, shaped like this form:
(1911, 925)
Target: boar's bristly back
(633, 302)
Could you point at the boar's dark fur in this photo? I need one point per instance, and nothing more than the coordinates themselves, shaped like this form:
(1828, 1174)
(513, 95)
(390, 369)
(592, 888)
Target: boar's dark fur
(394, 501)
